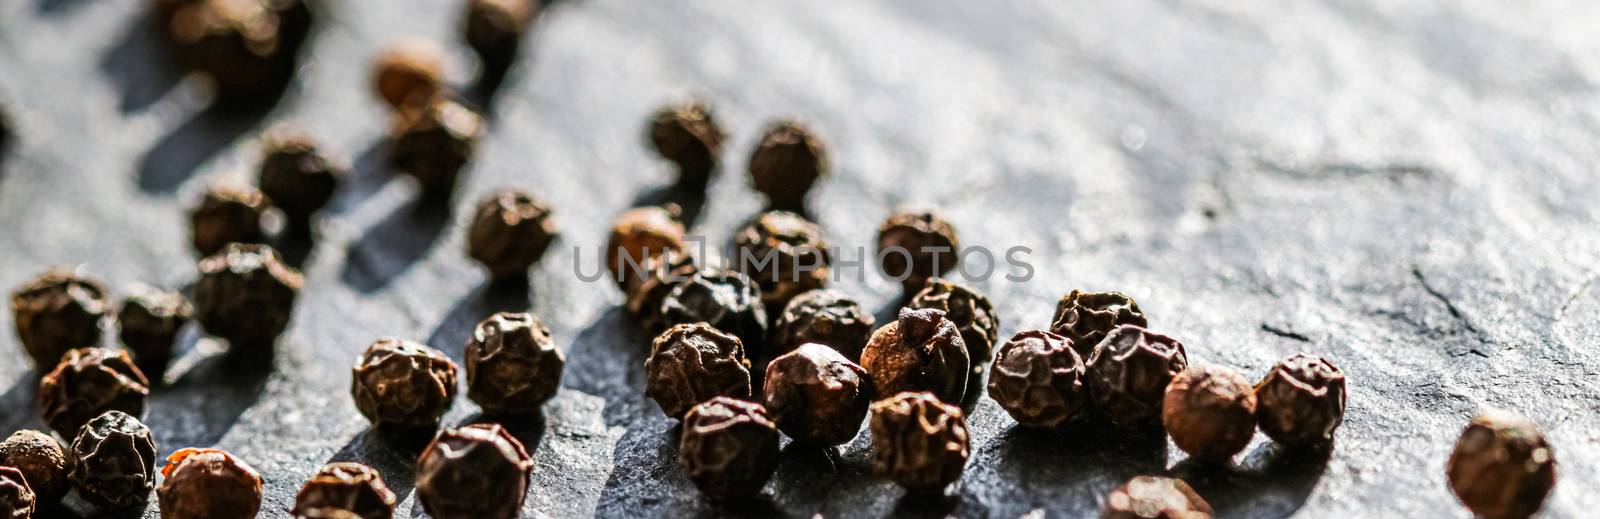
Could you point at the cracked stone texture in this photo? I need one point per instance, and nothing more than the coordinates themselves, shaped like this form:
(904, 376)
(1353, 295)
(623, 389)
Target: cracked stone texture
(1405, 188)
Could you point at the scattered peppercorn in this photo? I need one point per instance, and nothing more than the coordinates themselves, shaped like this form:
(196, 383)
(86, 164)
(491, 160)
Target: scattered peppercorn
(1129, 372)
(513, 366)
(149, 320)
(43, 461)
(511, 230)
(688, 135)
(88, 382)
(1038, 379)
(825, 317)
(971, 312)
(17, 500)
(433, 142)
(246, 295)
(345, 487)
(238, 43)
(916, 246)
(475, 472)
(728, 448)
(207, 483)
(58, 311)
(789, 159)
(227, 214)
(661, 272)
(1210, 412)
(494, 28)
(639, 234)
(724, 299)
(297, 176)
(1301, 401)
(403, 384)
(690, 363)
(785, 254)
(817, 396)
(918, 441)
(1149, 497)
(409, 73)
(1501, 467)
(922, 351)
(116, 465)
(1086, 317)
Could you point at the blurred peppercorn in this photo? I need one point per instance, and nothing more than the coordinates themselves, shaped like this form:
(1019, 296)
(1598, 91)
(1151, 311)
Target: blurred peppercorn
(149, 321)
(298, 176)
(1129, 372)
(825, 317)
(403, 384)
(789, 159)
(239, 44)
(916, 246)
(227, 214)
(345, 487)
(1501, 467)
(690, 363)
(58, 311)
(511, 230)
(513, 366)
(409, 73)
(433, 142)
(475, 472)
(921, 351)
(1300, 402)
(1038, 379)
(918, 442)
(638, 234)
(1210, 412)
(661, 272)
(817, 396)
(723, 299)
(43, 461)
(971, 312)
(494, 29)
(208, 483)
(785, 254)
(88, 382)
(116, 461)
(1086, 317)
(246, 295)
(688, 135)
(728, 448)
(1150, 497)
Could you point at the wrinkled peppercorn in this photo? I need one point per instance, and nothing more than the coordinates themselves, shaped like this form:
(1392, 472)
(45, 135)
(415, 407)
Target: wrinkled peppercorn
(688, 135)
(17, 499)
(1501, 467)
(902, 240)
(1038, 379)
(690, 363)
(1301, 401)
(1210, 412)
(1151, 497)
(43, 461)
(922, 351)
(494, 28)
(227, 214)
(662, 272)
(240, 44)
(639, 234)
(1086, 317)
(149, 320)
(409, 73)
(116, 465)
(475, 472)
(207, 483)
(345, 487)
(245, 295)
(58, 311)
(785, 254)
(513, 366)
(1129, 372)
(825, 317)
(297, 176)
(786, 163)
(403, 384)
(433, 142)
(817, 396)
(919, 442)
(88, 382)
(511, 230)
(728, 448)
(971, 312)
(724, 299)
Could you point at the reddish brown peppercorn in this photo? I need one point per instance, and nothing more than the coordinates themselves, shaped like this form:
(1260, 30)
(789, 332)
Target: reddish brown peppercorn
(662, 272)
(1301, 401)
(1501, 467)
(922, 351)
(116, 465)
(971, 312)
(208, 483)
(724, 299)
(17, 500)
(1152, 497)
(688, 135)
(433, 143)
(638, 234)
(88, 382)
(789, 159)
(43, 461)
(56, 312)
(245, 295)
(1038, 379)
(494, 28)
(346, 487)
(1086, 317)
(511, 230)
(690, 363)
(476, 472)
(513, 366)
(825, 317)
(817, 396)
(403, 384)
(409, 72)
(785, 254)
(916, 246)
(227, 214)
(1210, 412)
(919, 442)
(1129, 373)
(729, 447)
(297, 176)
(149, 321)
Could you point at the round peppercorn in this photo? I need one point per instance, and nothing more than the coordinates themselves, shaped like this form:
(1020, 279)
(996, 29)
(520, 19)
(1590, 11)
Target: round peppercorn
(661, 272)
(639, 234)
(1301, 401)
(817, 396)
(227, 214)
(785, 254)
(205, 483)
(43, 461)
(511, 230)
(433, 142)
(238, 44)
(786, 163)
(1038, 379)
(345, 487)
(1501, 467)
(17, 500)
(724, 299)
(825, 317)
(88, 382)
(971, 312)
(58, 311)
(297, 176)
(688, 135)
(690, 363)
(410, 72)
(1210, 412)
(1149, 497)
(1086, 317)
(403, 384)
(513, 366)
(916, 246)
(922, 351)
(728, 448)
(149, 321)
(919, 442)
(476, 472)
(116, 465)
(1129, 372)
(245, 295)
(493, 28)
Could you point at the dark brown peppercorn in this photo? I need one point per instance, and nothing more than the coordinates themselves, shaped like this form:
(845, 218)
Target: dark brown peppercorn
(902, 240)
(494, 28)
(728, 448)
(43, 461)
(1152, 497)
(17, 500)
(824, 317)
(239, 44)
(510, 231)
(969, 310)
(433, 143)
(88, 382)
(1501, 467)
(56, 312)
(297, 176)
(116, 465)
(817, 396)
(1129, 372)
(513, 366)
(403, 384)
(785, 254)
(922, 351)
(227, 214)
(1210, 412)
(639, 234)
(919, 442)
(688, 135)
(409, 73)
(245, 295)
(690, 363)
(662, 272)
(149, 321)
(724, 299)
(208, 484)
(1038, 379)
(475, 472)
(787, 162)
(1086, 317)
(345, 487)
(1301, 401)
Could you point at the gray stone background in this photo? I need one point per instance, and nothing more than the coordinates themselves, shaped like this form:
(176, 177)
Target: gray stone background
(1404, 187)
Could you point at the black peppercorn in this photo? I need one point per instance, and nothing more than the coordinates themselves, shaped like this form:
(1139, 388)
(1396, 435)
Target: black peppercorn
(88, 382)
(1129, 372)
(345, 487)
(786, 163)
(688, 135)
(919, 442)
(1210, 412)
(43, 461)
(916, 246)
(227, 214)
(17, 500)
(690, 363)
(825, 317)
(513, 366)
(246, 295)
(1301, 401)
(403, 384)
(785, 254)
(510, 231)
(58, 311)
(639, 234)
(1151, 497)
(475, 472)
(494, 28)
(662, 272)
(116, 461)
(728, 448)
(1086, 317)
(922, 351)
(297, 176)
(1038, 379)
(724, 299)
(817, 396)
(433, 142)
(149, 320)
(208, 483)
(971, 312)
(409, 73)
(1501, 467)
(238, 44)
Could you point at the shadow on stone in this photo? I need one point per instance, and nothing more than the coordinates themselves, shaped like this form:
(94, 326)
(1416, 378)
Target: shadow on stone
(1066, 470)
(369, 172)
(178, 154)
(452, 333)
(393, 454)
(526, 429)
(392, 246)
(606, 359)
(139, 64)
(689, 197)
(203, 401)
(1272, 481)
(20, 403)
